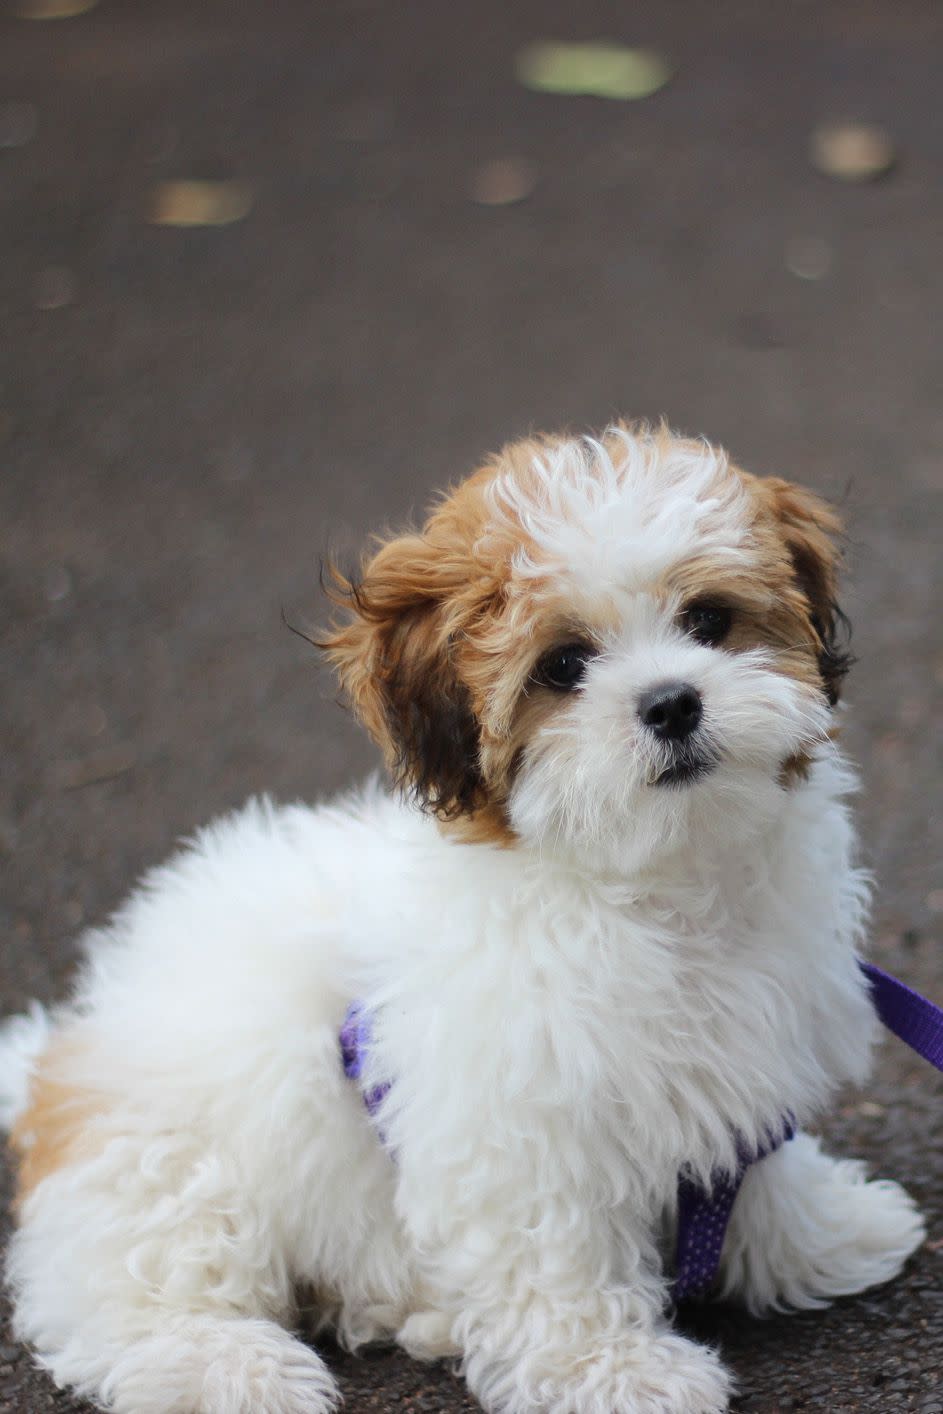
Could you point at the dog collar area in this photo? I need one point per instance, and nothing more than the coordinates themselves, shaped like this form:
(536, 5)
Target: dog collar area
(704, 1212)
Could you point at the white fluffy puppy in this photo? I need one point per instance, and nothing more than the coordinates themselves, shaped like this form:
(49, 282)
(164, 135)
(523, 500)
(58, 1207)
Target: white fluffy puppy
(606, 931)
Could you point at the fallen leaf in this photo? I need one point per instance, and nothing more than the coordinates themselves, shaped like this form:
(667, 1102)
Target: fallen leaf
(503, 181)
(52, 9)
(199, 203)
(93, 719)
(601, 70)
(852, 152)
(808, 257)
(98, 766)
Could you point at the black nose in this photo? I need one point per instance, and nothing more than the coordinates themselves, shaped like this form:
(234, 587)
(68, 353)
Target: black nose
(672, 710)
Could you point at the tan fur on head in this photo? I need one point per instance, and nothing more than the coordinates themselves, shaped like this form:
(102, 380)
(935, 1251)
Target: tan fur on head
(399, 655)
(443, 626)
(810, 530)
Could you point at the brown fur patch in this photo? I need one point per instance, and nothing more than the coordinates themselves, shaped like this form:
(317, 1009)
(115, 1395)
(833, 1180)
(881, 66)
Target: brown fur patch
(435, 623)
(56, 1127)
(797, 526)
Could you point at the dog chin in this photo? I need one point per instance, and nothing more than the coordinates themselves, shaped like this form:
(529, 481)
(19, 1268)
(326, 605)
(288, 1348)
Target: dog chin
(685, 771)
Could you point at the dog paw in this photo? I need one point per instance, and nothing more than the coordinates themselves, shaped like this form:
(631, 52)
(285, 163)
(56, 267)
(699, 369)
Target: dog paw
(811, 1228)
(878, 1229)
(671, 1375)
(651, 1374)
(427, 1335)
(279, 1376)
(202, 1365)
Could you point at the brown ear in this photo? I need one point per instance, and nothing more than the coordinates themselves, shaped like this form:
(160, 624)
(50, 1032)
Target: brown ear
(395, 658)
(810, 528)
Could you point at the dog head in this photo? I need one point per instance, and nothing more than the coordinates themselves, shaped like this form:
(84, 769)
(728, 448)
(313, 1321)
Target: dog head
(600, 645)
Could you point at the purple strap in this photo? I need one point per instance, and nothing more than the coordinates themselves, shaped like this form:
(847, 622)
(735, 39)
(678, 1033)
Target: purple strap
(355, 1042)
(703, 1214)
(909, 1015)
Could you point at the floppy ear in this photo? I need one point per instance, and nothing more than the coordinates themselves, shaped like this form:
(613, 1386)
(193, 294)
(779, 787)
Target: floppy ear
(810, 528)
(395, 659)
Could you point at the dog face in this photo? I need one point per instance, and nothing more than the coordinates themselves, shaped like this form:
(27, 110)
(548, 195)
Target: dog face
(600, 646)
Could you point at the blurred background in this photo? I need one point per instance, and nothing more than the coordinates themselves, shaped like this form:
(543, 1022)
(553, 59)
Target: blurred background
(271, 272)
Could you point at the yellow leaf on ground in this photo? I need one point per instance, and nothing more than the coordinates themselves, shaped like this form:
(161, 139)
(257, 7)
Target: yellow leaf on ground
(103, 765)
(602, 70)
(52, 9)
(503, 181)
(199, 203)
(852, 152)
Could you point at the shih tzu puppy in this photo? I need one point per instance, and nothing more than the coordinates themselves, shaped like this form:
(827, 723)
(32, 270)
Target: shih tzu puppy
(603, 934)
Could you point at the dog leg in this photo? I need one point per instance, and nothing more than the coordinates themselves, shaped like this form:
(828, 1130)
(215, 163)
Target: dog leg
(625, 1371)
(148, 1285)
(589, 1352)
(544, 1321)
(806, 1228)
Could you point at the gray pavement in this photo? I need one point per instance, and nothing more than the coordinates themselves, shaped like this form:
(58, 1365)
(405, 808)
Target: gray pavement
(188, 418)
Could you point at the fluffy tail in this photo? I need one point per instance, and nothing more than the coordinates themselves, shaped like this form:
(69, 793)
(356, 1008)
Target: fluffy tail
(22, 1040)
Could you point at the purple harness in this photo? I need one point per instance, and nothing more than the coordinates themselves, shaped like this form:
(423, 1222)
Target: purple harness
(703, 1213)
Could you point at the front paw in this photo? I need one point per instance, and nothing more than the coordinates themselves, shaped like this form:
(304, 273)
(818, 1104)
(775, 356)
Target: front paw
(808, 1228)
(651, 1374)
(667, 1375)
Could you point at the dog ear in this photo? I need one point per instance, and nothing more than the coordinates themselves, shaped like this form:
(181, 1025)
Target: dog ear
(810, 528)
(395, 659)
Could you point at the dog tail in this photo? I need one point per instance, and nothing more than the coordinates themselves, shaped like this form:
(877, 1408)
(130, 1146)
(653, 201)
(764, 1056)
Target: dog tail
(22, 1041)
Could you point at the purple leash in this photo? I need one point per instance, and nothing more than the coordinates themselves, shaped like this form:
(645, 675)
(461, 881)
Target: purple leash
(905, 1012)
(703, 1213)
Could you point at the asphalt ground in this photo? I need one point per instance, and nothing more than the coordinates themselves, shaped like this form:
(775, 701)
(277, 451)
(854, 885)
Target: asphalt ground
(190, 417)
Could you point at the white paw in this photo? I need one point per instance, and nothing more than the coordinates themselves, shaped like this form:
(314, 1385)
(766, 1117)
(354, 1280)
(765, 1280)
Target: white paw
(672, 1375)
(264, 1381)
(427, 1335)
(272, 1375)
(202, 1365)
(879, 1227)
(810, 1228)
(653, 1374)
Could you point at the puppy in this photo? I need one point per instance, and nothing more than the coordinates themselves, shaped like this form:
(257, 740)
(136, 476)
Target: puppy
(603, 933)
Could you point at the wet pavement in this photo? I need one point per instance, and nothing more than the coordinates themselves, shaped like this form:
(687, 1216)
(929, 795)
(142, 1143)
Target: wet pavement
(191, 414)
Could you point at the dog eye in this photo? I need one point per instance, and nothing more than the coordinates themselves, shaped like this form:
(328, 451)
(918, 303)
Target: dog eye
(707, 623)
(563, 668)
